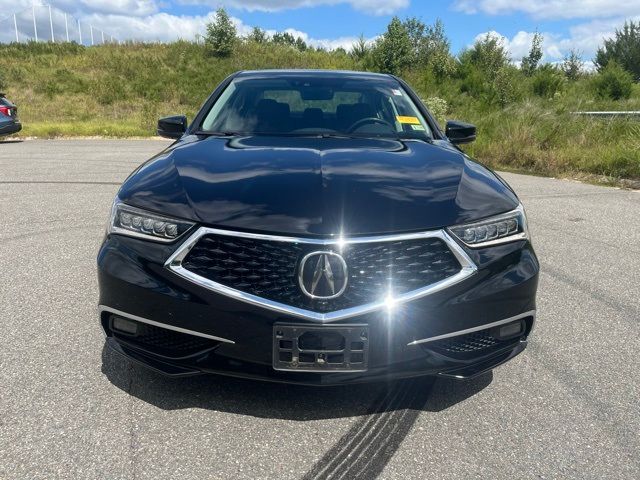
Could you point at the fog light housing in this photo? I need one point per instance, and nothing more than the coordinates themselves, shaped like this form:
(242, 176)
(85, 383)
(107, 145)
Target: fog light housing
(509, 330)
(123, 325)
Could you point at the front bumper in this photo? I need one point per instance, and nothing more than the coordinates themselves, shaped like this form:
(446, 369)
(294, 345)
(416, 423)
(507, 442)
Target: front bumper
(420, 337)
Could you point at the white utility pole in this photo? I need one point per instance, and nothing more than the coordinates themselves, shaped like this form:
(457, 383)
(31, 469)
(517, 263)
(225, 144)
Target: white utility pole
(35, 26)
(53, 39)
(102, 31)
(91, 30)
(15, 25)
(66, 27)
(79, 32)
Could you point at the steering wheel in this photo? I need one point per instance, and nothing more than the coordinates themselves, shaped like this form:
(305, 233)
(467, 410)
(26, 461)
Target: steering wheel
(365, 121)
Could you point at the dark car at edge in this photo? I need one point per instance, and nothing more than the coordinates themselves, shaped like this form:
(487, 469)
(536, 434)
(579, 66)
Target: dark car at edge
(9, 123)
(316, 227)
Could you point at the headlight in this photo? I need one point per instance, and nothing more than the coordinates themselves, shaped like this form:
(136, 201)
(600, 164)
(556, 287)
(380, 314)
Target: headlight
(134, 222)
(503, 228)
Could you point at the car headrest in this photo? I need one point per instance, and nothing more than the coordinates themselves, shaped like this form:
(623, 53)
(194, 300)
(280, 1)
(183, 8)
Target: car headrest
(268, 108)
(342, 110)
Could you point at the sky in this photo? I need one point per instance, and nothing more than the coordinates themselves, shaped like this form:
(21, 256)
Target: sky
(565, 24)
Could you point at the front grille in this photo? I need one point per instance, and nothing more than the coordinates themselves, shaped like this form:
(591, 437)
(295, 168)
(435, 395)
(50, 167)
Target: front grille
(269, 269)
(165, 342)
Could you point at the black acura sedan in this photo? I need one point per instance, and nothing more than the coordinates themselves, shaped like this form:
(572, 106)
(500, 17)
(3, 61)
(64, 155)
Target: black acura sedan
(316, 227)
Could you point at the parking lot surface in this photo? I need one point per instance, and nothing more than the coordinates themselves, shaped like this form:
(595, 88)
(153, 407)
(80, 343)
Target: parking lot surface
(568, 407)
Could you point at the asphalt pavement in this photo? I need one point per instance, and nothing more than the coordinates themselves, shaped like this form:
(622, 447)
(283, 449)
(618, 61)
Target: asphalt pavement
(568, 407)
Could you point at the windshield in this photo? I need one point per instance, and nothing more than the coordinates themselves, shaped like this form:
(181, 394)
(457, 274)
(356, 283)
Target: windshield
(305, 105)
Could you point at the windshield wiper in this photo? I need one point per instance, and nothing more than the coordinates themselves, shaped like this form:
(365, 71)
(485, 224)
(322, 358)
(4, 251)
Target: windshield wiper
(336, 135)
(376, 137)
(421, 138)
(217, 134)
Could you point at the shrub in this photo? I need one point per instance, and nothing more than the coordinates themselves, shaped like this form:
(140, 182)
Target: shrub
(505, 86)
(473, 81)
(501, 88)
(613, 82)
(3, 83)
(548, 81)
(107, 90)
(438, 108)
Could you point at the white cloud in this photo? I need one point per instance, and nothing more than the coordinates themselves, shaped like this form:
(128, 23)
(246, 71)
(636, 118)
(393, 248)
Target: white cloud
(519, 45)
(136, 8)
(161, 27)
(127, 20)
(374, 7)
(585, 38)
(164, 27)
(79, 7)
(327, 43)
(552, 9)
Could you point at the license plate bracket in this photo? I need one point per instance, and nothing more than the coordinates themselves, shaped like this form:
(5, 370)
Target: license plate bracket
(326, 348)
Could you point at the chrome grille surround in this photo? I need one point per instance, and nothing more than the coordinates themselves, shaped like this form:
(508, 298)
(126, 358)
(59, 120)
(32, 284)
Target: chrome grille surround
(175, 264)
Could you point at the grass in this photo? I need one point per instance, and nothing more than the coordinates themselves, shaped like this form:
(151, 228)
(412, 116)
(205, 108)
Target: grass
(528, 137)
(121, 91)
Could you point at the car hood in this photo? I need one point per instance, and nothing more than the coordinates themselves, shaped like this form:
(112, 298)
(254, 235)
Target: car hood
(317, 186)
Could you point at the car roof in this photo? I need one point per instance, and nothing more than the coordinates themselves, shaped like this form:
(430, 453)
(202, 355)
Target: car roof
(314, 73)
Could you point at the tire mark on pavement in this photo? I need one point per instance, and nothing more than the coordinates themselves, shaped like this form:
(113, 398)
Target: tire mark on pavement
(630, 312)
(40, 233)
(367, 447)
(625, 435)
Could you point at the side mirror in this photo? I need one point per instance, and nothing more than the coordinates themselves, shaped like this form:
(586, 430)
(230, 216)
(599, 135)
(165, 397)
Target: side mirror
(172, 127)
(460, 132)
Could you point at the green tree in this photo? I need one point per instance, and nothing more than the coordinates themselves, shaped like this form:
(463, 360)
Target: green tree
(221, 34)
(415, 29)
(300, 44)
(258, 35)
(393, 51)
(624, 49)
(487, 54)
(530, 62)
(286, 38)
(572, 65)
(360, 49)
(613, 82)
(283, 38)
(430, 47)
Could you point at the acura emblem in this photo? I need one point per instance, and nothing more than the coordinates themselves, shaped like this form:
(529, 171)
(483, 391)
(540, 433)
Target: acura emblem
(323, 275)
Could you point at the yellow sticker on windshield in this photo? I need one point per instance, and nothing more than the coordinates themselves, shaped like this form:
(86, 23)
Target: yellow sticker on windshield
(409, 120)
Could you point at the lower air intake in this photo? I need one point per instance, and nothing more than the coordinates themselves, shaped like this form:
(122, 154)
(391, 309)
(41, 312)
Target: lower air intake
(162, 341)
